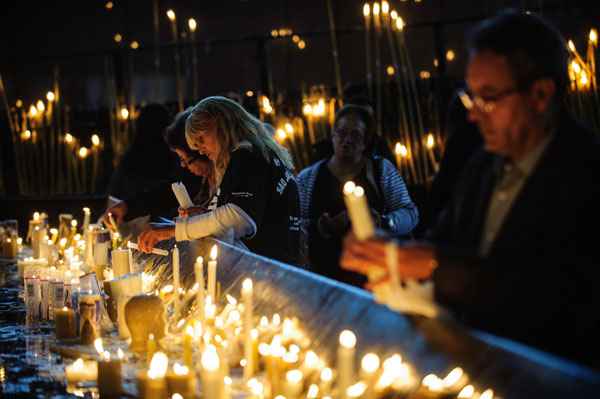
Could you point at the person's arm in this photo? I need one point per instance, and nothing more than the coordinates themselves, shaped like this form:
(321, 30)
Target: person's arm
(401, 213)
(215, 223)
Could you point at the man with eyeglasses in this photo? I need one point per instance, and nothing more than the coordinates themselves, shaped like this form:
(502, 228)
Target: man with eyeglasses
(513, 252)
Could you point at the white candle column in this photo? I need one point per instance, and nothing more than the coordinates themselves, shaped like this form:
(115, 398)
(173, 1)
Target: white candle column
(176, 280)
(199, 272)
(212, 274)
(345, 361)
(247, 293)
(358, 211)
(212, 380)
(120, 262)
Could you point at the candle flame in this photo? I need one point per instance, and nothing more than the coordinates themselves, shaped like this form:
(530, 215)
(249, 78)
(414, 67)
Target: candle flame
(394, 15)
(120, 354)
(366, 10)
(453, 377)
(40, 106)
(176, 396)
(313, 391)
(466, 392)
(179, 369)
(370, 363)
(135, 45)
(210, 359)
(359, 191)
(326, 374)
(349, 187)
(276, 319)
(450, 55)
(69, 138)
(256, 387)
(430, 141)
(385, 7)
(392, 362)
(98, 345)
(83, 152)
(356, 390)
(571, 45)
(171, 15)
(593, 36)
(390, 70)
(294, 376)
(289, 128)
(50, 96)
(124, 113)
(376, 9)
(487, 394)
(281, 135)
(307, 109)
(400, 23)
(192, 24)
(158, 366)
(213, 252)
(247, 286)
(78, 365)
(118, 37)
(347, 337)
(26, 135)
(433, 382)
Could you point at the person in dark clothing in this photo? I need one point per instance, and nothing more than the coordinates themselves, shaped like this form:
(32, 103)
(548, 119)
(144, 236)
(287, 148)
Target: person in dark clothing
(512, 253)
(323, 212)
(254, 193)
(463, 139)
(158, 199)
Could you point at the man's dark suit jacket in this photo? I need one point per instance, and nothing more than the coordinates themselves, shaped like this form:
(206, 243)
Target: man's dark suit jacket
(538, 283)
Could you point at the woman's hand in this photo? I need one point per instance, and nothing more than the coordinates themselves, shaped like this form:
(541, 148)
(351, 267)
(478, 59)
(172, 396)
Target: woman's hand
(191, 211)
(415, 261)
(148, 239)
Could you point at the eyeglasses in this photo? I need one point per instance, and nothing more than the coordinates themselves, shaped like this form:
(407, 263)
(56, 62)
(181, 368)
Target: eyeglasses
(187, 162)
(485, 103)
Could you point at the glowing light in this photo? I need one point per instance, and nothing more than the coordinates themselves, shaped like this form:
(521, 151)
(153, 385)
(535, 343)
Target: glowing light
(487, 394)
(124, 113)
(301, 44)
(400, 23)
(256, 387)
(135, 45)
(390, 70)
(453, 377)
(192, 24)
(436, 63)
(26, 135)
(295, 38)
(213, 252)
(433, 382)
(32, 111)
(294, 376)
(109, 5)
(424, 74)
(349, 188)
(450, 55)
(571, 45)
(593, 36)
(307, 109)
(179, 369)
(347, 337)
(120, 354)
(376, 9)
(158, 366)
(83, 153)
(171, 15)
(385, 7)
(19, 103)
(394, 15)
(356, 390)
(266, 105)
(69, 139)
(430, 141)
(249, 93)
(274, 33)
(313, 391)
(118, 37)
(366, 10)
(289, 128)
(40, 106)
(210, 359)
(370, 363)
(466, 392)
(98, 345)
(50, 96)
(95, 140)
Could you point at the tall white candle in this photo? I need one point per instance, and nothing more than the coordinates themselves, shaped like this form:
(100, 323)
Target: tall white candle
(247, 293)
(86, 219)
(199, 272)
(182, 195)
(369, 367)
(293, 384)
(212, 380)
(176, 280)
(212, 274)
(345, 360)
(358, 210)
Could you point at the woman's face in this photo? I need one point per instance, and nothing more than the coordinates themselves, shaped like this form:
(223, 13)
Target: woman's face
(205, 138)
(197, 166)
(348, 138)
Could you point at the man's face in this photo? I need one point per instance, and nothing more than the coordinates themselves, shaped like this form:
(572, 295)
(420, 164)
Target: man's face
(506, 123)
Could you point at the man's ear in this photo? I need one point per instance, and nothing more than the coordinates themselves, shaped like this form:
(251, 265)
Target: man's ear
(542, 94)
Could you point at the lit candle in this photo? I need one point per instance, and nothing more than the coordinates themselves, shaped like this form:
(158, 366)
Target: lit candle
(181, 381)
(109, 375)
(369, 367)
(151, 383)
(86, 219)
(64, 320)
(358, 210)
(293, 384)
(212, 380)
(455, 380)
(247, 292)
(212, 273)
(81, 370)
(326, 378)
(176, 279)
(345, 360)
(356, 391)
(199, 272)
(120, 262)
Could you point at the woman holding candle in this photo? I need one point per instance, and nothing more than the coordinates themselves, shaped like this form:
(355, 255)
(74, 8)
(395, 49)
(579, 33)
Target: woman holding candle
(254, 190)
(323, 213)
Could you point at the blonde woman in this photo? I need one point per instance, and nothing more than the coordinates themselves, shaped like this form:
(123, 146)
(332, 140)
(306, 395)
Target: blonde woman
(254, 190)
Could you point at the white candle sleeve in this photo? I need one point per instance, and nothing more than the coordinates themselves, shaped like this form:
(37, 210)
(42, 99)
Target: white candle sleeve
(182, 195)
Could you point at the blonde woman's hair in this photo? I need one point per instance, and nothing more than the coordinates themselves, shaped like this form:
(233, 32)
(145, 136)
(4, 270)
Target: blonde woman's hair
(234, 126)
